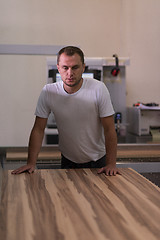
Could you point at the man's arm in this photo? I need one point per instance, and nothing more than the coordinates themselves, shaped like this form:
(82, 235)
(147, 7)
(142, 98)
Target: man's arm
(111, 146)
(35, 143)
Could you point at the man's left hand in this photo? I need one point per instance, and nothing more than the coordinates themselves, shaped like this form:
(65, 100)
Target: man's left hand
(109, 170)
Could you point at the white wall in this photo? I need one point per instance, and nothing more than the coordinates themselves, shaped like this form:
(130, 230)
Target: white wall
(142, 38)
(100, 27)
(22, 78)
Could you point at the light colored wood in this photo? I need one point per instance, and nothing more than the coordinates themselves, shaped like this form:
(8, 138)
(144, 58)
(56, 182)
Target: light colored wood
(0, 179)
(51, 153)
(42, 155)
(79, 204)
(57, 155)
(138, 150)
(138, 153)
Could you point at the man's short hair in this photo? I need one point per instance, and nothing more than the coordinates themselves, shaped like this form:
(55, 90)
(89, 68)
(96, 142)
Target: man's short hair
(70, 51)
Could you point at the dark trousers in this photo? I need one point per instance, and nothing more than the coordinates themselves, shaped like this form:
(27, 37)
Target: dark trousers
(66, 163)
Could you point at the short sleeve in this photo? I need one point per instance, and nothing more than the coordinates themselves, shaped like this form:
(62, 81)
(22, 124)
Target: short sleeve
(104, 102)
(43, 109)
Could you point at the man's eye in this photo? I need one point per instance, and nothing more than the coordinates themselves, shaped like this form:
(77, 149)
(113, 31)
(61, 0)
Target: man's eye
(65, 68)
(75, 67)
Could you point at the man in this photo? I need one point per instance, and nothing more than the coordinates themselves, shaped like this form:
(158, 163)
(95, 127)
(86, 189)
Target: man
(84, 117)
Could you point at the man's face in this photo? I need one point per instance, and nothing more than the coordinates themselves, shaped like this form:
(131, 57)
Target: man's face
(71, 69)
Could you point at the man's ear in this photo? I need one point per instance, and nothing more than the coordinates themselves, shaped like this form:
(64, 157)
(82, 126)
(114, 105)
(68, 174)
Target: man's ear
(58, 67)
(84, 67)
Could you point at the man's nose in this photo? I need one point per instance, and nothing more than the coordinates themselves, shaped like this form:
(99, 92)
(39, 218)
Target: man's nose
(70, 71)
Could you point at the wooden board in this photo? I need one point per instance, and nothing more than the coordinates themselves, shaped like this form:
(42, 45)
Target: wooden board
(138, 153)
(123, 151)
(42, 155)
(79, 204)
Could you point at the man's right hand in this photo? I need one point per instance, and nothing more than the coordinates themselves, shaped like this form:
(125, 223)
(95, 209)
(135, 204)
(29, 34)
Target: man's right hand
(26, 168)
(35, 143)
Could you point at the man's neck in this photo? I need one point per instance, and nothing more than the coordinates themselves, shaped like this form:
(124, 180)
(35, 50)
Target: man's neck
(72, 89)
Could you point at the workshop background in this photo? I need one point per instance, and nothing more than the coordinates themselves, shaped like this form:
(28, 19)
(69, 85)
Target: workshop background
(100, 27)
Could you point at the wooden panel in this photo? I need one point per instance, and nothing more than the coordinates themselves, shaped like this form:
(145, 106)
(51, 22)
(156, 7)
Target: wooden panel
(42, 155)
(138, 153)
(57, 155)
(123, 151)
(138, 150)
(0, 178)
(79, 205)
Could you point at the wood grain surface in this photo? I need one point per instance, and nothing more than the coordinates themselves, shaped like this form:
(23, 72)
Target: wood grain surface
(79, 204)
(123, 151)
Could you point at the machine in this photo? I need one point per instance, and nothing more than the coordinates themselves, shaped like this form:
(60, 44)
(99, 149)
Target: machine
(144, 121)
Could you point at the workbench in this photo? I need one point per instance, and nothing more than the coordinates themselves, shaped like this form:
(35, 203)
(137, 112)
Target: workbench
(128, 155)
(78, 204)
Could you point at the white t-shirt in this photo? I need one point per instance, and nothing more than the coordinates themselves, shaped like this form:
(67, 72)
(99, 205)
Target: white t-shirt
(77, 115)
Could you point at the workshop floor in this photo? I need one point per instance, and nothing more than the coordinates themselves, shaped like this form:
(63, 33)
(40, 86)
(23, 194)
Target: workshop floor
(153, 177)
